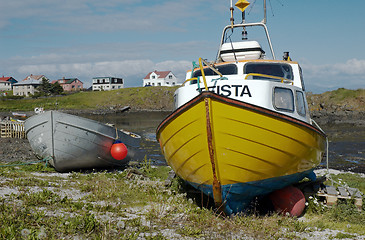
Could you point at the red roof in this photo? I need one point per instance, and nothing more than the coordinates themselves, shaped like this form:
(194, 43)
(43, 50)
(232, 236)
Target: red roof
(4, 78)
(160, 74)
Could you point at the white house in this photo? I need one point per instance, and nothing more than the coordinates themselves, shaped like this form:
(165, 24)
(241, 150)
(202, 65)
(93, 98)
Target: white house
(107, 83)
(28, 86)
(160, 78)
(5, 85)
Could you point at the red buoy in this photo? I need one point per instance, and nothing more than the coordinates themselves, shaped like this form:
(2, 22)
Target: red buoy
(118, 150)
(288, 200)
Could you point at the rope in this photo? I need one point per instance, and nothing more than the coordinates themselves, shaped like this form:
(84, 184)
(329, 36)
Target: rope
(192, 74)
(46, 159)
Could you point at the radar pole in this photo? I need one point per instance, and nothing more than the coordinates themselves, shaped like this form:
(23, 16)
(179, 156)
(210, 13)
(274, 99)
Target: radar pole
(264, 11)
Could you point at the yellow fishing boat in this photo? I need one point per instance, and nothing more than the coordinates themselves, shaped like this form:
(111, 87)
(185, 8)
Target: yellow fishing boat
(241, 126)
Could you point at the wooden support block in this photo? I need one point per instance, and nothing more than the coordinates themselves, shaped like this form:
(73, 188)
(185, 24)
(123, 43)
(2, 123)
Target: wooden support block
(358, 203)
(331, 200)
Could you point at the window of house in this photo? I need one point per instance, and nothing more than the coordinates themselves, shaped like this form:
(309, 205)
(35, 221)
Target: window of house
(153, 76)
(170, 77)
(167, 83)
(158, 84)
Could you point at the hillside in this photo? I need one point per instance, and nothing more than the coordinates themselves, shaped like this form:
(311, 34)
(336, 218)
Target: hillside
(338, 106)
(337, 100)
(141, 98)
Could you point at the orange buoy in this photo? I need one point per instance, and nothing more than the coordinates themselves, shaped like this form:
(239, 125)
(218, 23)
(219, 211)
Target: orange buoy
(288, 200)
(118, 150)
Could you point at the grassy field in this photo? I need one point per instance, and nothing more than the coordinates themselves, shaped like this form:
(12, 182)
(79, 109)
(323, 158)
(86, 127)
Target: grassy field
(38, 203)
(150, 98)
(340, 99)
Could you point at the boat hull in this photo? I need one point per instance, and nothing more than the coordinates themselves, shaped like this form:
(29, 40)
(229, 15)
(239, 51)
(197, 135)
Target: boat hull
(73, 142)
(234, 151)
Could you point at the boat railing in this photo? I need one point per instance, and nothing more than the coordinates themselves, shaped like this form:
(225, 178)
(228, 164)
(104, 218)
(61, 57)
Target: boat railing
(281, 79)
(243, 25)
(201, 67)
(189, 80)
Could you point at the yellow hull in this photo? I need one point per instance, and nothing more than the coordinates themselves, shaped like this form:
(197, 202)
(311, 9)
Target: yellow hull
(213, 138)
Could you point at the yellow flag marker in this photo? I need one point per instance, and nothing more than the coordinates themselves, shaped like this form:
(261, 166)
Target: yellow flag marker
(242, 4)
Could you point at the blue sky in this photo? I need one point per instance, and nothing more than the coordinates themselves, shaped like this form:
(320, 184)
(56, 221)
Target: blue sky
(129, 38)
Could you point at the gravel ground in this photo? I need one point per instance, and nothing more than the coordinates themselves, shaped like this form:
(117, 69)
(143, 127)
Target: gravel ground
(13, 150)
(16, 149)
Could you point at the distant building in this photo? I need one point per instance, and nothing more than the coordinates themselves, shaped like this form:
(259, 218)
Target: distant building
(107, 83)
(26, 87)
(160, 78)
(70, 84)
(6, 83)
(35, 77)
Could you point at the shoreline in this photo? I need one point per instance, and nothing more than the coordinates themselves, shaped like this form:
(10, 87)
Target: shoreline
(321, 117)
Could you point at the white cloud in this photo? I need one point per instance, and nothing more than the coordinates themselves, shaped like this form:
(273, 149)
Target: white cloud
(352, 67)
(349, 74)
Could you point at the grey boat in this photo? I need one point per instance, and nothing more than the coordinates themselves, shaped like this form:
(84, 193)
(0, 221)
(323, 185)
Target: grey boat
(72, 143)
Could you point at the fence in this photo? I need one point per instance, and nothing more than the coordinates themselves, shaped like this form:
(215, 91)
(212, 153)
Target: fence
(11, 129)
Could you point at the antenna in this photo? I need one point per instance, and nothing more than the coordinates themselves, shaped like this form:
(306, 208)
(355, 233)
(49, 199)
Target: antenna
(264, 11)
(232, 19)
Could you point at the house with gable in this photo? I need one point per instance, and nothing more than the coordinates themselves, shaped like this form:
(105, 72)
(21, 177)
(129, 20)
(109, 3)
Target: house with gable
(70, 84)
(160, 78)
(6, 83)
(35, 77)
(28, 86)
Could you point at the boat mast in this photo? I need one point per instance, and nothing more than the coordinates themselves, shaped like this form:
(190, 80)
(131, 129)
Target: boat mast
(231, 9)
(264, 11)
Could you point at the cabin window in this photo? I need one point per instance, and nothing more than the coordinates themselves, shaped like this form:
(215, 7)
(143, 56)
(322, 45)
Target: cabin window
(300, 103)
(301, 78)
(227, 69)
(283, 99)
(281, 70)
